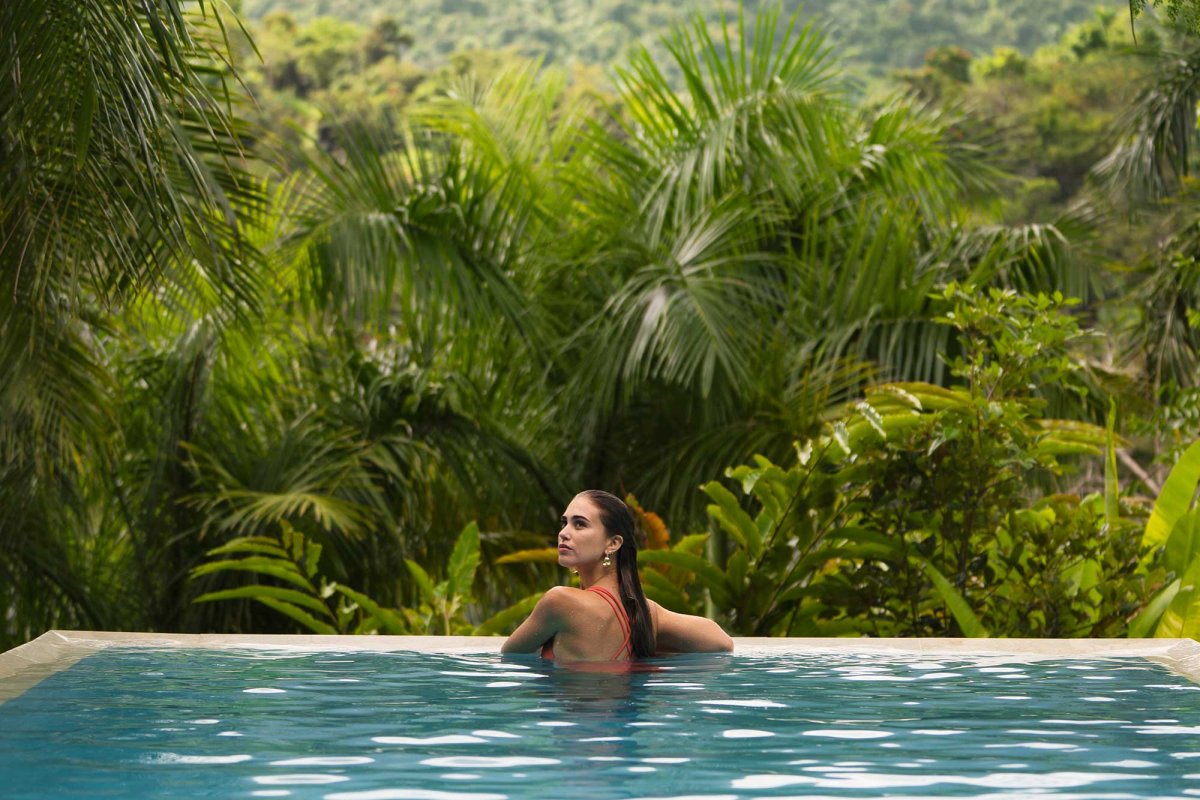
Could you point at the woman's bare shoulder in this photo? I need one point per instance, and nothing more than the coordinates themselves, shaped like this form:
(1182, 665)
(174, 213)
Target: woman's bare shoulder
(563, 599)
(553, 613)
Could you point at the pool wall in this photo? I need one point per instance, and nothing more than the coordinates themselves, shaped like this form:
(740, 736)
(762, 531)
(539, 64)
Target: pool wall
(24, 666)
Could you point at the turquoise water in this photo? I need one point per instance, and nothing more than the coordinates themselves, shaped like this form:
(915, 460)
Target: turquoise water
(418, 726)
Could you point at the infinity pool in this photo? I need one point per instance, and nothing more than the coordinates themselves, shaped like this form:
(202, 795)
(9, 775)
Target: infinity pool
(276, 722)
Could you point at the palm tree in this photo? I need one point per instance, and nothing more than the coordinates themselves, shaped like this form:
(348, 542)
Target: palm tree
(121, 176)
(410, 361)
(1144, 173)
(751, 247)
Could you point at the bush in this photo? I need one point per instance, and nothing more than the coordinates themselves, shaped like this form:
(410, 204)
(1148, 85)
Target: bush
(927, 511)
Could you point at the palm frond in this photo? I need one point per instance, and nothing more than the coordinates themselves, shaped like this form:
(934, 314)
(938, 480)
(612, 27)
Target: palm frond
(1164, 335)
(420, 229)
(908, 148)
(752, 118)
(123, 174)
(691, 308)
(1156, 134)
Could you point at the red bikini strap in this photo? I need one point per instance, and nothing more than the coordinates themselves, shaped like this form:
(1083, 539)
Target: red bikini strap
(622, 619)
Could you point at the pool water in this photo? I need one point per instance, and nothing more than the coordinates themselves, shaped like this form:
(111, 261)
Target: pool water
(142, 722)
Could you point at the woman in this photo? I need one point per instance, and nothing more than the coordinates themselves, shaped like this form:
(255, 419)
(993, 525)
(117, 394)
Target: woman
(608, 617)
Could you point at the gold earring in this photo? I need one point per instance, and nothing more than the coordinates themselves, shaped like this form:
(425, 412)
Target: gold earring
(607, 562)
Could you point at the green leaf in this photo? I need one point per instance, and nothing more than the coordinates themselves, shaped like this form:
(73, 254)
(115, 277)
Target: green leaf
(83, 123)
(1182, 617)
(663, 592)
(464, 560)
(1183, 545)
(709, 576)
(872, 417)
(1054, 446)
(250, 544)
(388, 620)
(897, 423)
(933, 397)
(895, 392)
(258, 591)
(428, 592)
(808, 568)
(736, 569)
(874, 542)
(963, 615)
(312, 556)
(540, 555)
(1175, 498)
(1080, 576)
(1147, 619)
(692, 543)
(508, 618)
(799, 593)
(276, 568)
(733, 518)
(838, 431)
(1073, 432)
(298, 614)
(1112, 489)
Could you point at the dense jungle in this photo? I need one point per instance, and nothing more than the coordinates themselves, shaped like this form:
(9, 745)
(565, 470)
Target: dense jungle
(885, 318)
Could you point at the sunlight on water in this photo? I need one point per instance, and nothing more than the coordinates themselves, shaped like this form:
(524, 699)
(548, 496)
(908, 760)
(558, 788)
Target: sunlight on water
(373, 726)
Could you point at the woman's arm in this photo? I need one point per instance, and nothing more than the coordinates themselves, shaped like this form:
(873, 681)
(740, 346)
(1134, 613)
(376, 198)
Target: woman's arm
(546, 620)
(684, 633)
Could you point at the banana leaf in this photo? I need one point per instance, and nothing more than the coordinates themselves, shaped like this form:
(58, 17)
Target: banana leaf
(1174, 499)
(276, 568)
(258, 591)
(709, 576)
(464, 560)
(387, 619)
(298, 614)
(961, 611)
(540, 555)
(1147, 619)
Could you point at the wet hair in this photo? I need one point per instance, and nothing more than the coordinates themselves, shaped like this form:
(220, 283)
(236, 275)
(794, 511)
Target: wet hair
(618, 520)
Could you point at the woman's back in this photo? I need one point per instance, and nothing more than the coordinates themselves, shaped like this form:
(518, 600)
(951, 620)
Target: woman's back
(599, 631)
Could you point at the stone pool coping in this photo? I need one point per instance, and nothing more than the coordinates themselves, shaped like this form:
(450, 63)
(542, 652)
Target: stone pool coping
(24, 666)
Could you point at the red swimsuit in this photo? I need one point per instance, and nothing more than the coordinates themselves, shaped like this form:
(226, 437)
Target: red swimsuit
(626, 650)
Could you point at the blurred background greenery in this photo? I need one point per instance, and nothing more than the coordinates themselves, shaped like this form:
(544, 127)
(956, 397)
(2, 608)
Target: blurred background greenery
(321, 312)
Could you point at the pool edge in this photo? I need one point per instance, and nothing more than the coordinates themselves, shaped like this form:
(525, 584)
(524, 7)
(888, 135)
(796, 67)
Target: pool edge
(25, 666)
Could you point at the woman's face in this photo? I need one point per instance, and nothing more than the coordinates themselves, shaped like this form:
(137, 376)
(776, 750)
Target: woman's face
(582, 539)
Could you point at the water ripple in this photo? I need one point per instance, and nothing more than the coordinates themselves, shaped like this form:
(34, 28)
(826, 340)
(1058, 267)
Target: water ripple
(490, 762)
(453, 738)
(413, 794)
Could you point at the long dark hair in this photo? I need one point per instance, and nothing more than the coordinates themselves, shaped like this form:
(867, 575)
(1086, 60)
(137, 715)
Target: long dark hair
(618, 521)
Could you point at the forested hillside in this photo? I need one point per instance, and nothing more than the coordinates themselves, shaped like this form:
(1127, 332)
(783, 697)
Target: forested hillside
(874, 34)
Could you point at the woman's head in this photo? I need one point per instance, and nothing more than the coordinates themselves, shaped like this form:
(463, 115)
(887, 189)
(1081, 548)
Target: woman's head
(591, 533)
(616, 518)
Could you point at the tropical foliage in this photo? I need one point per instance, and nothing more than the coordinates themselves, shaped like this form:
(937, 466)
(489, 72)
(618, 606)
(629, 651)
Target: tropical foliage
(327, 607)
(1183, 12)
(912, 515)
(336, 378)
